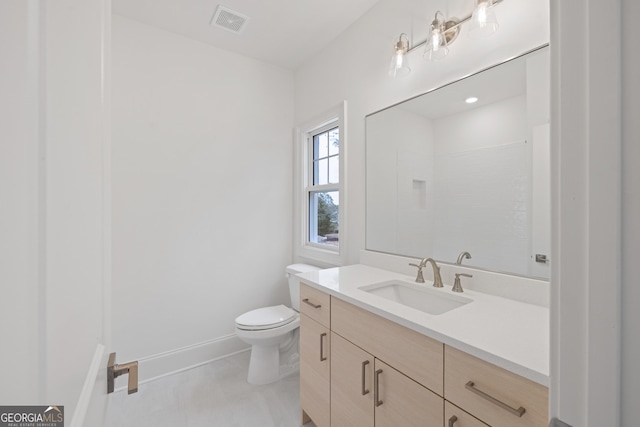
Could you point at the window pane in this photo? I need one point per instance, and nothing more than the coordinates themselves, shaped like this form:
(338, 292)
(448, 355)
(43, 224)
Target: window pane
(321, 145)
(334, 141)
(323, 217)
(320, 171)
(334, 170)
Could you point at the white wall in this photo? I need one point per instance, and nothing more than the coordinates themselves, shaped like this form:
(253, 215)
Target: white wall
(482, 186)
(401, 160)
(355, 68)
(630, 295)
(201, 190)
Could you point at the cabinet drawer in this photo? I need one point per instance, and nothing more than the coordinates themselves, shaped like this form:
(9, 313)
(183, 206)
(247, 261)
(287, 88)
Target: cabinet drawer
(315, 304)
(493, 394)
(411, 353)
(456, 417)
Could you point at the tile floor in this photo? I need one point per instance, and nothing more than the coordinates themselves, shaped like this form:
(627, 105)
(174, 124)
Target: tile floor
(216, 394)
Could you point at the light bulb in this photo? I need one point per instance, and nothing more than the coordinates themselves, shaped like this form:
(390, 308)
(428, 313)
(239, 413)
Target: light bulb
(483, 20)
(399, 65)
(436, 40)
(436, 46)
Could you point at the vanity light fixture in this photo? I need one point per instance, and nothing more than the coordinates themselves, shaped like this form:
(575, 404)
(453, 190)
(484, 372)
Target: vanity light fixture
(483, 20)
(399, 65)
(442, 33)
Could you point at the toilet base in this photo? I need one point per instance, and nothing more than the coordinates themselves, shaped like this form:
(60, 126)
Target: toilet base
(264, 366)
(272, 362)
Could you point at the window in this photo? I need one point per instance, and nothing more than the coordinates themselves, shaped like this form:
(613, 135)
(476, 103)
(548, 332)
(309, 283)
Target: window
(320, 188)
(323, 192)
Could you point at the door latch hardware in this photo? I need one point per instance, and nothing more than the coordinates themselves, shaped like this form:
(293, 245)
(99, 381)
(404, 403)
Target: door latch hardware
(541, 258)
(114, 371)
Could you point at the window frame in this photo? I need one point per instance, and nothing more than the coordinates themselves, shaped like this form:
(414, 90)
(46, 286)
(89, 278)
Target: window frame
(303, 187)
(310, 187)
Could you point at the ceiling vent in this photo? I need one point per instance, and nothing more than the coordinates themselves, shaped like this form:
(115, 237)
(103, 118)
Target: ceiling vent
(229, 20)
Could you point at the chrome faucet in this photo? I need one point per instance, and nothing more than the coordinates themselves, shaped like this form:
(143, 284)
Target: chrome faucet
(437, 280)
(463, 255)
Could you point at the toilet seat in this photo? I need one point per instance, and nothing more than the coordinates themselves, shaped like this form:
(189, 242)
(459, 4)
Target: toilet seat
(265, 318)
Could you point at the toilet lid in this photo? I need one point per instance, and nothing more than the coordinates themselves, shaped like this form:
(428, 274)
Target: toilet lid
(266, 318)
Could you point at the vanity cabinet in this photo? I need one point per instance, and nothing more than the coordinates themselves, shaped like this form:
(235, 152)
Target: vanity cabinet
(315, 357)
(360, 369)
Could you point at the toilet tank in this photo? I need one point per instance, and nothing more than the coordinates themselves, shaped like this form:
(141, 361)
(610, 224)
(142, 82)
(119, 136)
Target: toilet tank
(294, 281)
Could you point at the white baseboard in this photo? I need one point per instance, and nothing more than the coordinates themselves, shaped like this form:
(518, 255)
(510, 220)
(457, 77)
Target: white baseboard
(170, 362)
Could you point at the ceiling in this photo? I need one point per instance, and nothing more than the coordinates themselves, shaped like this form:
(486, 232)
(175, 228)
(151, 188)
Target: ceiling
(492, 85)
(281, 32)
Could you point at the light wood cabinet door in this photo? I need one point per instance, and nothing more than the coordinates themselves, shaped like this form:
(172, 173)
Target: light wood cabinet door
(456, 417)
(400, 401)
(315, 387)
(351, 384)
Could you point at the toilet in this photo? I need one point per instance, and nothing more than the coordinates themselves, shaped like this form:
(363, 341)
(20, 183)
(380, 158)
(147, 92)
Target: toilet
(272, 331)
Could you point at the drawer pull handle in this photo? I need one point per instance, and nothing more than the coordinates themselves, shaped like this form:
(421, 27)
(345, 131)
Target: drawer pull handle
(306, 301)
(517, 412)
(322, 358)
(452, 420)
(364, 366)
(376, 388)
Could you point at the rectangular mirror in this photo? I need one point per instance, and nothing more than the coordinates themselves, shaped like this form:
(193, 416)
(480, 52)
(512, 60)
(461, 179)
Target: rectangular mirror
(445, 175)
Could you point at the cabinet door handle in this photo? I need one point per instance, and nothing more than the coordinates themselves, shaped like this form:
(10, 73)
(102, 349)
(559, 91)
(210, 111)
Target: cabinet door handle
(517, 412)
(452, 420)
(376, 388)
(322, 358)
(306, 301)
(364, 366)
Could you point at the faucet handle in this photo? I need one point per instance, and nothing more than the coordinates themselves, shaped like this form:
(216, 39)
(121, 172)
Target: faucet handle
(419, 277)
(457, 286)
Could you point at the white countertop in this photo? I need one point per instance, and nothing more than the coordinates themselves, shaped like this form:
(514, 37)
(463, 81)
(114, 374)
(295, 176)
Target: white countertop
(510, 334)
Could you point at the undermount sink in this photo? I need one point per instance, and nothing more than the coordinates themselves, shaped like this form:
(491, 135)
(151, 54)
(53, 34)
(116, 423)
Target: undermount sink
(419, 297)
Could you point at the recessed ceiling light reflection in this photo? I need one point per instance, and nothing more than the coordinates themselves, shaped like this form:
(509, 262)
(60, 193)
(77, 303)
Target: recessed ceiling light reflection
(471, 100)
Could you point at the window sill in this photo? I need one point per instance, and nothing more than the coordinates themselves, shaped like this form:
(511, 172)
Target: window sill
(320, 255)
